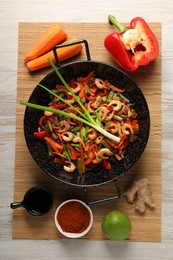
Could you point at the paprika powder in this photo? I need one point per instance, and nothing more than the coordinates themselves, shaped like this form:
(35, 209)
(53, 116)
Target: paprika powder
(73, 217)
(132, 46)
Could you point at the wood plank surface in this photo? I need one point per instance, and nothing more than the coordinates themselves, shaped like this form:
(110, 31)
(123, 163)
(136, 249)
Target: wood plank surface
(27, 174)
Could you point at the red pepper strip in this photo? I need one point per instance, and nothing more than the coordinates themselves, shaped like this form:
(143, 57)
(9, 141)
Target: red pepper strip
(40, 135)
(109, 85)
(91, 157)
(107, 165)
(57, 106)
(82, 92)
(87, 77)
(74, 154)
(134, 46)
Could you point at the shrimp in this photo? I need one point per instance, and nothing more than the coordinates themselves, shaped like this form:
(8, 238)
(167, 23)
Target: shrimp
(103, 112)
(99, 139)
(117, 104)
(104, 153)
(113, 127)
(71, 100)
(109, 116)
(48, 113)
(97, 102)
(77, 88)
(127, 129)
(69, 167)
(100, 83)
(78, 139)
(63, 126)
(92, 133)
(67, 136)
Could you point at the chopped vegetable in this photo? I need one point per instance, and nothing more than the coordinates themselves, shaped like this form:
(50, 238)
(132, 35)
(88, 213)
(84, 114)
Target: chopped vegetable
(54, 35)
(63, 54)
(134, 46)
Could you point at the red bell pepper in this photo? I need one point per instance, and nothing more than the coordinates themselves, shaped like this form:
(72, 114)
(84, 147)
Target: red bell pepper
(134, 46)
(40, 134)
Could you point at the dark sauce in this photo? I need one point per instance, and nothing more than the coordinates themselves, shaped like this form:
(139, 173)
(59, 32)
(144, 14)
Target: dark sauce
(38, 201)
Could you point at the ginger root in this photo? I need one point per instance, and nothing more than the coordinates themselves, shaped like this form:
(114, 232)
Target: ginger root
(140, 193)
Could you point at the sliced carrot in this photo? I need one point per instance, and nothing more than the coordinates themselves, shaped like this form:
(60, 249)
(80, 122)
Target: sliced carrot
(119, 158)
(63, 54)
(55, 146)
(54, 35)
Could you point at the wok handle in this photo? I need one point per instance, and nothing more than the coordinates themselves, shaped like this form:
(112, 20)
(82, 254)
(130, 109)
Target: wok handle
(70, 44)
(117, 196)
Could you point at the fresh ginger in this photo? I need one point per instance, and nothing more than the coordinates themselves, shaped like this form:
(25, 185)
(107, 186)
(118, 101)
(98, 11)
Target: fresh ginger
(140, 193)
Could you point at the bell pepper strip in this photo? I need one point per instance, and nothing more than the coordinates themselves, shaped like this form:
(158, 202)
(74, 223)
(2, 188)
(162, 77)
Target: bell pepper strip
(73, 153)
(134, 46)
(107, 165)
(40, 135)
(110, 86)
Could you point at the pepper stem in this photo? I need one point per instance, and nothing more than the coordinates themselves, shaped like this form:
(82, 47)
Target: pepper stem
(119, 26)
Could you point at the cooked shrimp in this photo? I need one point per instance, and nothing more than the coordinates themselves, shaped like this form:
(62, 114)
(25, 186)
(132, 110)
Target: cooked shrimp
(63, 126)
(67, 136)
(69, 167)
(109, 115)
(78, 139)
(104, 153)
(97, 102)
(99, 139)
(92, 133)
(71, 100)
(88, 107)
(100, 83)
(127, 129)
(116, 104)
(48, 113)
(113, 128)
(77, 88)
(103, 112)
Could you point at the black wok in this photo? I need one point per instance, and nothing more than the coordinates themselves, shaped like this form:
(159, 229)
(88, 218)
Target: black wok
(97, 176)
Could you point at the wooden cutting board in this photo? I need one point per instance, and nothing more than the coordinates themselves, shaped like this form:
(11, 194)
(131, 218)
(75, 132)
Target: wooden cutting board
(145, 227)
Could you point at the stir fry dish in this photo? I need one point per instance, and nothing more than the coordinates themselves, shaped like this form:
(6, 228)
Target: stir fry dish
(79, 146)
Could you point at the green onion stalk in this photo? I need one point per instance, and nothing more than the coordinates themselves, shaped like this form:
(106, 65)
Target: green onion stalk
(85, 118)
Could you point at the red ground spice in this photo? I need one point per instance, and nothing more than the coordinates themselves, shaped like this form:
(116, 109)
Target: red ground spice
(73, 217)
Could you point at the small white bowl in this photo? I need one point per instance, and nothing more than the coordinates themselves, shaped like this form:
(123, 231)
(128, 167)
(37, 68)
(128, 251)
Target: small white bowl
(69, 234)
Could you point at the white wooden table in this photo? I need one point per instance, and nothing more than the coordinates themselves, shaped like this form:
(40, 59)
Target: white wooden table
(12, 12)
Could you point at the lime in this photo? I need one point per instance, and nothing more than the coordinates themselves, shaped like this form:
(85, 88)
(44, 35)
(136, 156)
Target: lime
(116, 225)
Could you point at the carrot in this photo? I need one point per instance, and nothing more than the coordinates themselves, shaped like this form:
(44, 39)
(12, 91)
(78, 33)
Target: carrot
(55, 146)
(63, 54)
(54, 35)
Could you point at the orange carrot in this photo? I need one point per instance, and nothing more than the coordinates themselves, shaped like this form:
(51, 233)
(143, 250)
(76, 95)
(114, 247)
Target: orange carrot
(55, 146)
(54, 35)
(63, 54)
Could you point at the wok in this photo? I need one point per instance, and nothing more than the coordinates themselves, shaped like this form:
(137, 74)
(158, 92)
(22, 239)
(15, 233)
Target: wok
(97, 176)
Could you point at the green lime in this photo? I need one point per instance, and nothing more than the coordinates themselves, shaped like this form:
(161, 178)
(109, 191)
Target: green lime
(116, 225)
